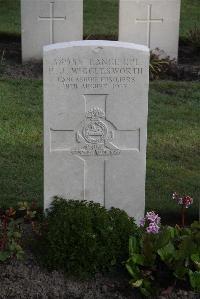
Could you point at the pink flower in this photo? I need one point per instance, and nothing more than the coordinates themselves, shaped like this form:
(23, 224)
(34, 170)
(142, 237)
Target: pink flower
(142, 222)
(185, 201)
(151, 222)
(153, 217)
(174, 195)
(153, 228)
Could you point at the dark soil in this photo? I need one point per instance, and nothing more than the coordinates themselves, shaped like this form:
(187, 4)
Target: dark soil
(27, 279)
(11, 65)
(188, 67)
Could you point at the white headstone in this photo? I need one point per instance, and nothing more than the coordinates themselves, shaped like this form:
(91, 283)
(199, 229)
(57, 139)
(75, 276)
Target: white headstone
(154, 23)
(95, 123)
(46, 22)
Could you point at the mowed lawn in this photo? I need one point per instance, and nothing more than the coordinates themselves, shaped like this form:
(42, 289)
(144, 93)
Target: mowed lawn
(173, 153)
(100, 17)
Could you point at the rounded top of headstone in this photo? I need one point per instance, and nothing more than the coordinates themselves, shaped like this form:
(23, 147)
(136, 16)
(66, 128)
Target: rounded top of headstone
(96, 43)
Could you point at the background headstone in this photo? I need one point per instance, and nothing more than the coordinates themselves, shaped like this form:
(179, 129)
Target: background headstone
(95, 123)
(154, 23)
(49, 21)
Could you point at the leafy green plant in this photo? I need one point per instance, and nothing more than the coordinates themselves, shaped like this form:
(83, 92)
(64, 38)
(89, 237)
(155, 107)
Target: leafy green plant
(195, 280)
(159, 64)
(158, 258)
(83, 237)
(10, 236)
(29, 210)
(11, 222)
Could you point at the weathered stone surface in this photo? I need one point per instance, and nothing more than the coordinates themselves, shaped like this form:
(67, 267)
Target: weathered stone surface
(95, 123)
(154, 23)
(49, 21)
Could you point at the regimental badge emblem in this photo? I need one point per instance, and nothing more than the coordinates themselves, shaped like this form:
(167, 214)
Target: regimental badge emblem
(95, 131)
(95, 135)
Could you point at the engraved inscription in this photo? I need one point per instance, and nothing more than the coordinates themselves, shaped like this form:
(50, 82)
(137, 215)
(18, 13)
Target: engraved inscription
(94, 135)
(51, 20)
(75, 73)
(148, 21)
(95, 131)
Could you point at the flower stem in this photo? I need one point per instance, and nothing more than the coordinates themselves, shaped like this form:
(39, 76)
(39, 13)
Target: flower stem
(183, 215)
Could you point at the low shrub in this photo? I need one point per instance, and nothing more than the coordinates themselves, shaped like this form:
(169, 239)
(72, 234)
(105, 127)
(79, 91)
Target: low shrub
(83, 237)
(159, 256)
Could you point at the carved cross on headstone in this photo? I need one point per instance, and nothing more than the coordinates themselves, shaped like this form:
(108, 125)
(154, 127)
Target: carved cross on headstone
(95, 136)
(51, 19)
(148, 21)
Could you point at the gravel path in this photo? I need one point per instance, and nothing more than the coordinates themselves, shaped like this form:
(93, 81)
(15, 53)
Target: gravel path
(27, 280)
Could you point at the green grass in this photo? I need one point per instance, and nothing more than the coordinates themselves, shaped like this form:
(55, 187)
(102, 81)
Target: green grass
(190, 16)
(20, 141)
(10, 22)
(173, 155)
(100, 17)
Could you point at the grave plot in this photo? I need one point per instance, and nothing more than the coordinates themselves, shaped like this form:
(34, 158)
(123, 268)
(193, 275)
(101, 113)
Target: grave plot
(154, 23)
(95, 116)
(46, 22)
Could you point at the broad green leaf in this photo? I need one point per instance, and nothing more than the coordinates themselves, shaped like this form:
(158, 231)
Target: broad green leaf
(196, 259)
(137, 259)
(133, 245)
(133, 270)
(172, 231)
(164, 238)
(149, 251)
(4, 255)
(195, 280)
(130, 270)
(180, 272)
(137, 283)
(187, 247)
(167, 252)
(145, 292)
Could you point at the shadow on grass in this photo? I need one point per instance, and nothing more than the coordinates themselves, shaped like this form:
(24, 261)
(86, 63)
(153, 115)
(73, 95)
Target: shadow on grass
(21, 176)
